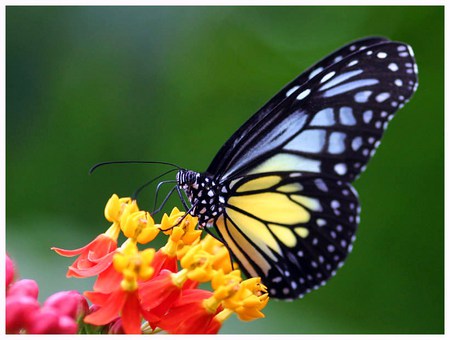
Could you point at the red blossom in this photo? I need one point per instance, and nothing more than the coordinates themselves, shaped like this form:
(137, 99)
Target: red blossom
(157, 296)
(163, 261)
(189, 316)
(108, 280)
(119, 302)
(93, 258)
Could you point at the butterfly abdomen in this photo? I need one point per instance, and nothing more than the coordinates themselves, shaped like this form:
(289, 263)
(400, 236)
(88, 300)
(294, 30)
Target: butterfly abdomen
(205, 195)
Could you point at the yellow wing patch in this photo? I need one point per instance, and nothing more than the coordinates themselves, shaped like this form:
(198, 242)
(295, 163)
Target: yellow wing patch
(310, 203)
(255, 231)
(232, 236)
(302, 232)
(271, 207)
(287, 162)
(284, 234)
(291, 187)
(259, 183)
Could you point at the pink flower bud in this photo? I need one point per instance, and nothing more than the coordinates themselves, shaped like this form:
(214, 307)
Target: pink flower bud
(67, 325)
(9, 274)
(44, 321)
(69, 303)
(19, 308)
(115, 327)
(24, 287)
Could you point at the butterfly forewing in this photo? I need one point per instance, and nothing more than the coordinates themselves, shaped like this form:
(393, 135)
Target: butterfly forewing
(231, 148)
(332, 123)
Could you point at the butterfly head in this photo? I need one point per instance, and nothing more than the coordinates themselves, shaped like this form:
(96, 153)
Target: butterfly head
(205, 195)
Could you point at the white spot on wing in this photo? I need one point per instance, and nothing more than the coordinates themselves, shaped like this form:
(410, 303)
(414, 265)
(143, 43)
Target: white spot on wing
(336, 143)
(327, 76)
(324, 117)
(339, 79)
(381, 55)
(292, 90)
(304, 94)
(398, 82)
(320, 184)
(367, 116)
(315, 72)
(340, 168)
(382, 97)
(356, 143)
(346, 116)
(308, 141)
(393, 67)
(363, 96)
(350, 86)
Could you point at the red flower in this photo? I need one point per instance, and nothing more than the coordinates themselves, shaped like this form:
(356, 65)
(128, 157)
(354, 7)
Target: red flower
(93, 258)
(157, 296)
(162, 261)
(108, 280)
(189, 315)
(119, 302)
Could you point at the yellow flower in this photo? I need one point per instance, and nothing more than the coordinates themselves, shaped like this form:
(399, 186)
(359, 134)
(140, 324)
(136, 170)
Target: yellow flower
(115, 207)
(140, 226)
(225, 285)
(222, 258)
(133, 264)
(248, 301)
(198, 263)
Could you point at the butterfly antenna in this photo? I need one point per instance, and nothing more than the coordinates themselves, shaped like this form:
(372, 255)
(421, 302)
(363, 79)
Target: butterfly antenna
(138, 190)
(164, 201)
(91, 170)
(160, 184)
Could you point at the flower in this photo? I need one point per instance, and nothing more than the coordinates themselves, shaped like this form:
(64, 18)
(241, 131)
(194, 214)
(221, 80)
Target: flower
(189, 315)
(134, 265)
(9, 272)
(148, 290)
(58, 315)
(94, 258)
(141, 227)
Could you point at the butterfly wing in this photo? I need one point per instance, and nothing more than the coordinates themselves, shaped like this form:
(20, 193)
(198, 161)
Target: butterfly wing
(332, 123)
(292, 229)
(223, 157)
(291, 212)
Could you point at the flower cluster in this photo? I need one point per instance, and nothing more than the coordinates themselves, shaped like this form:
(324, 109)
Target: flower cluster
(148, 290)
(59, 314)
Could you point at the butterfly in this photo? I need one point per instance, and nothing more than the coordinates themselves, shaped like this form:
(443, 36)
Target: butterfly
(278, 193)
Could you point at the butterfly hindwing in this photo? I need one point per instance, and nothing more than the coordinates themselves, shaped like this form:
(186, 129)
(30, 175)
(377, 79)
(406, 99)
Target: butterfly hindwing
(292, 229)
(333, 122)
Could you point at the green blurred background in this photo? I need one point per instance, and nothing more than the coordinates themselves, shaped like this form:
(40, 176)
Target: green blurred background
(90, 84)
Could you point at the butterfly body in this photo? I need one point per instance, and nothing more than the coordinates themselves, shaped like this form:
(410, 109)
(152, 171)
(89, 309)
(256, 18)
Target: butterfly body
(205, 195)
(279, 193)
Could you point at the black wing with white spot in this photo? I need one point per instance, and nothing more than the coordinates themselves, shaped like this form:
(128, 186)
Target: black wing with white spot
(228, 150)
(292, 229)
(332, 123)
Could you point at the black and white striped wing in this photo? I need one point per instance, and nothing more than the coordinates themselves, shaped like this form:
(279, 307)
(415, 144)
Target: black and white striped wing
(332, 123)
